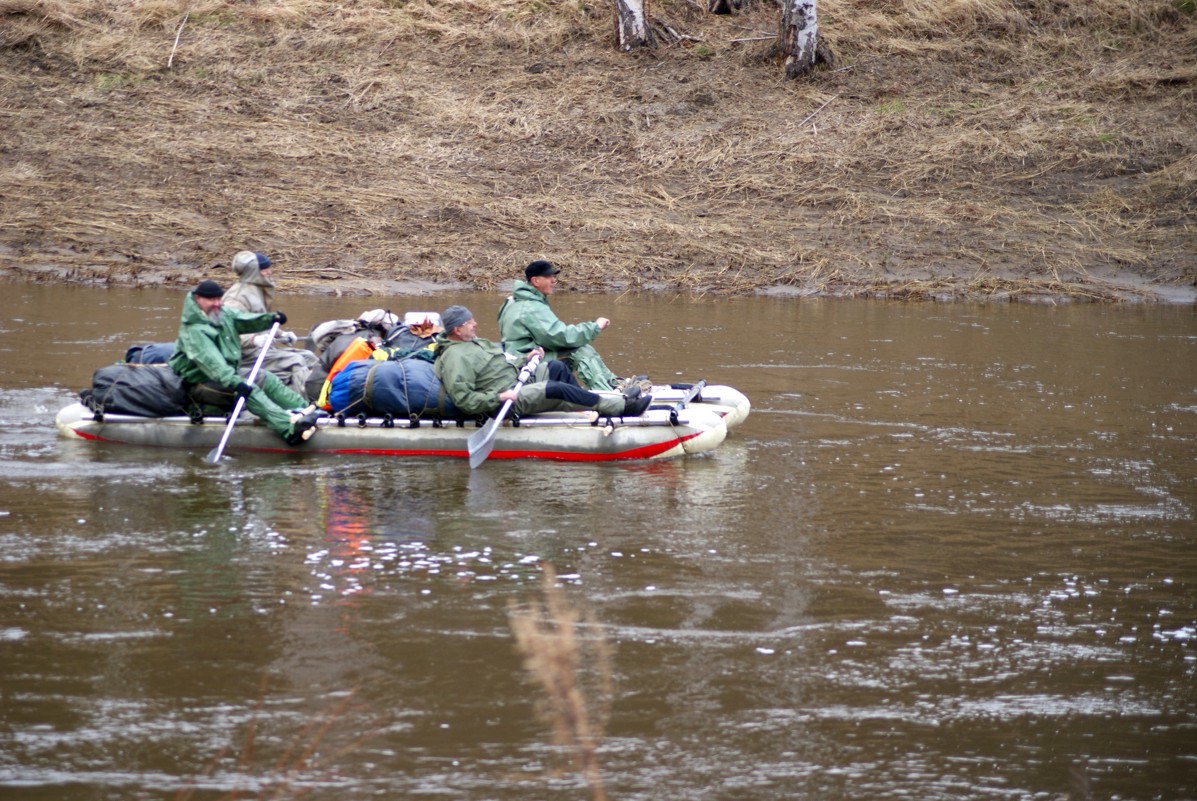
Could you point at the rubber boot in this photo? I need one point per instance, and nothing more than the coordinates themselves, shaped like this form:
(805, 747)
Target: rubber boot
(637, 405)
(611, 405)
(303, 425)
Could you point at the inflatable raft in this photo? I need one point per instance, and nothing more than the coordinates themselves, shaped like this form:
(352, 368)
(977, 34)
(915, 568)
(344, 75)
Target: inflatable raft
(668, 429)
(730, 404)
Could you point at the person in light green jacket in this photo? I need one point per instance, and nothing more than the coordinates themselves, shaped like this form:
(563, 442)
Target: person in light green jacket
(207, 356)
(253, 292)
(480, 377)
(527, 322)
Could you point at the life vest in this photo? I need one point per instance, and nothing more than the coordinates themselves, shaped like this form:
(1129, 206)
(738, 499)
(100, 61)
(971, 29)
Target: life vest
(361, 348)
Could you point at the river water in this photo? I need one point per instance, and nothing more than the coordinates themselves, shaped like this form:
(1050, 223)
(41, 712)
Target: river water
(951, 554)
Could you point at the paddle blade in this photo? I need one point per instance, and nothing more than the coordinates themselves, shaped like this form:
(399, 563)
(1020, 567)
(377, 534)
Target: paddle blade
(482, 442)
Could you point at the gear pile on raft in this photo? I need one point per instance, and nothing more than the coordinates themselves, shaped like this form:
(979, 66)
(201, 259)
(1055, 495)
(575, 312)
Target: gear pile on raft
(420, 384)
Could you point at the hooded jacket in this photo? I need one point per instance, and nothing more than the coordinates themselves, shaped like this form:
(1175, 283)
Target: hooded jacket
(206, 351)
(525, 321)
(474, 373)
(253, 292)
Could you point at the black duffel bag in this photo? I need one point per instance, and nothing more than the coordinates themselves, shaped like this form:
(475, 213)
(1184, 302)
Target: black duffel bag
(146, 390)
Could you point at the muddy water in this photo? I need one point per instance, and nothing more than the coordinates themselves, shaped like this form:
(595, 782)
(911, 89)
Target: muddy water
(950, 555)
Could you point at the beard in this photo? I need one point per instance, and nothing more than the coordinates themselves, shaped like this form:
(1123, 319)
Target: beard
(214, 316)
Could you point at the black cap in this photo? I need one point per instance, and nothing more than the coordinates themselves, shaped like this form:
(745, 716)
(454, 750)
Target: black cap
(208, 289)
(542, 268)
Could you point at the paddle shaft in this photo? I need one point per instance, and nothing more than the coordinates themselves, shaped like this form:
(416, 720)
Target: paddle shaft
(482, 442)
(691, 394)
(215, 455)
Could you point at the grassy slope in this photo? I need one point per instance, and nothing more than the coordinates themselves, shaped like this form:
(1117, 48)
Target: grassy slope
(962, 146)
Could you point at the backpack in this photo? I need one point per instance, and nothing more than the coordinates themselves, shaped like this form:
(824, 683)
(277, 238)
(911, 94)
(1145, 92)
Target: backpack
(323, 334)
(357, 350)
(374, 325)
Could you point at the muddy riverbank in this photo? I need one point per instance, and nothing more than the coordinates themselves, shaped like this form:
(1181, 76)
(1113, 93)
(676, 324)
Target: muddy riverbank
(1024, 150)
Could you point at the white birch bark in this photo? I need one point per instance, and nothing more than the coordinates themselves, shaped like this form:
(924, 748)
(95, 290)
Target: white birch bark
(800, 36)
(631, 25)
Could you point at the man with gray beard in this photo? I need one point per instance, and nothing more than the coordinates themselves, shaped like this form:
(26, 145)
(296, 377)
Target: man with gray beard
(208, 354)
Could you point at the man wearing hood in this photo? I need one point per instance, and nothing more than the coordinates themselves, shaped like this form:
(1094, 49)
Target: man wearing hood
(527, 322)
(254, 293)
(207, 356)
(480, 377)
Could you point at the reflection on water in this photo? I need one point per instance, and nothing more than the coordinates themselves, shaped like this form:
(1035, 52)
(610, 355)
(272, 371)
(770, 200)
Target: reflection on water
(950, 555)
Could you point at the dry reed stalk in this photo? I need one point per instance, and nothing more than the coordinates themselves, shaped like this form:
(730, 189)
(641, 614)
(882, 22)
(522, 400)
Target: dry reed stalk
(567, 655)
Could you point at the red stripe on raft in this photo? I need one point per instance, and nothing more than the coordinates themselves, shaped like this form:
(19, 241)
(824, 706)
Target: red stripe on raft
(645, 452)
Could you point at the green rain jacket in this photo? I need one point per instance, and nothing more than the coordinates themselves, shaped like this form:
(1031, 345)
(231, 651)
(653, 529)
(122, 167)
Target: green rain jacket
(474, 373)
(205, 351)
(525, 321)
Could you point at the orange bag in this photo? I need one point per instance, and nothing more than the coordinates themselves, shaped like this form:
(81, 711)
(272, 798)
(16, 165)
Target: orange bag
(358, 350)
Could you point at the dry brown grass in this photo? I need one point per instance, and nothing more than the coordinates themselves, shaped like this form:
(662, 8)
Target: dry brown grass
(958, 141)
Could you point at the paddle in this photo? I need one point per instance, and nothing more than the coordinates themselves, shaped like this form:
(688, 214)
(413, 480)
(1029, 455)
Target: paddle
(482, 441)
(214, 455)
(691, 394)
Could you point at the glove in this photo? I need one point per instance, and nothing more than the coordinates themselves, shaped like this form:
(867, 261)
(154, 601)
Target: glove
(280, 318)
(243, 390)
